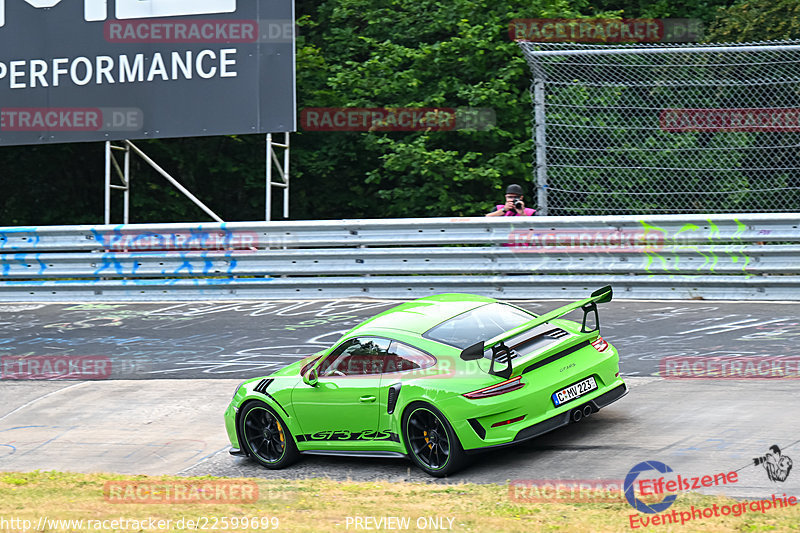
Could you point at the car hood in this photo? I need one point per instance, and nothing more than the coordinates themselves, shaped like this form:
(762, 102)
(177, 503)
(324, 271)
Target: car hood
(293, 369)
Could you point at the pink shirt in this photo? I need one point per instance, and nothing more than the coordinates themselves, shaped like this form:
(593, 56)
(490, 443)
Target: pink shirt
(528, 211)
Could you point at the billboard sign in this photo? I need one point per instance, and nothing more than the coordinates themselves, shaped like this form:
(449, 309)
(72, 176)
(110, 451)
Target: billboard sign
(98, 70)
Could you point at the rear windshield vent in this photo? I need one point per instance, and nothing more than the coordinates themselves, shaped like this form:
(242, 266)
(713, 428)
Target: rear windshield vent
(522, 346)
(557, 333)
(262, 385)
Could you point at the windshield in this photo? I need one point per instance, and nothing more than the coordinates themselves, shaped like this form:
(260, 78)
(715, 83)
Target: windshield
(480, 324)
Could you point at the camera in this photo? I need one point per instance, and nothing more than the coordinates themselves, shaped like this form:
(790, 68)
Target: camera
(518, 205)
(761, 460)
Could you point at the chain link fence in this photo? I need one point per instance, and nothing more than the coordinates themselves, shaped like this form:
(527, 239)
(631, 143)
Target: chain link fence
(635, 129)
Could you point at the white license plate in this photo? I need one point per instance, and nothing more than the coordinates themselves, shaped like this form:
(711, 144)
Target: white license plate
(574, 391)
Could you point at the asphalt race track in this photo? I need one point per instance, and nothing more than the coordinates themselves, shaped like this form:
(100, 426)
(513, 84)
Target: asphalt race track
(155, 403)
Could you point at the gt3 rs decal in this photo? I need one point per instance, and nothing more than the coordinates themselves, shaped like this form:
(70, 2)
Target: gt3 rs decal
(344, 434)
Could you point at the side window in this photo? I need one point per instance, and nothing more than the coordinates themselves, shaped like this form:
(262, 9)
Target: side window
(402, 357)
(356, 357)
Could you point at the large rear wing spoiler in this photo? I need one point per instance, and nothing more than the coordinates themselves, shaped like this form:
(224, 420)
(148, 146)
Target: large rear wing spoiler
(499, 349)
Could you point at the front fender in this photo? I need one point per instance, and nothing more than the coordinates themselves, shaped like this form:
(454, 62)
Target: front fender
(277, 395)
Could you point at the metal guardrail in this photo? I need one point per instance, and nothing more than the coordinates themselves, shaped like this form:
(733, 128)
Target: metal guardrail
(666, 256)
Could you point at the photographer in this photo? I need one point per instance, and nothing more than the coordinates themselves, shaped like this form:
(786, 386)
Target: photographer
(777, 466)
(514, 206)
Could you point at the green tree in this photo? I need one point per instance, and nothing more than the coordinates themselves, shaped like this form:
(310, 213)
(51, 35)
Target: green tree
(704, 10)
(423, 53)
(757, 20)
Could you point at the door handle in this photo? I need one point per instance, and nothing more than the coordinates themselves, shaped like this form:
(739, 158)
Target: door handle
(368, 399)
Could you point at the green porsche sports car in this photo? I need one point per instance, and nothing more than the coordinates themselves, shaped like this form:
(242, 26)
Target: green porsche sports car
(433, 379)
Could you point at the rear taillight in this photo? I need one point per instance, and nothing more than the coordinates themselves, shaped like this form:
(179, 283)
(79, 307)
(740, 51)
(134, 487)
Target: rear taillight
(600, 344)
(501, 388)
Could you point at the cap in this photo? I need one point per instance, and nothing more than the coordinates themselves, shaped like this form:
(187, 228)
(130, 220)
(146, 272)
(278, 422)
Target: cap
(514, 189)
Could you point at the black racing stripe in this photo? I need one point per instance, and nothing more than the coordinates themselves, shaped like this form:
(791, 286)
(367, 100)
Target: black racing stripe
(268, 395)
(262, 385)
(557, 356)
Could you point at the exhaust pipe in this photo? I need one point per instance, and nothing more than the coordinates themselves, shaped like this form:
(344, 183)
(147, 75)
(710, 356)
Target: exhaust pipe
(587, 410)
(577, 414)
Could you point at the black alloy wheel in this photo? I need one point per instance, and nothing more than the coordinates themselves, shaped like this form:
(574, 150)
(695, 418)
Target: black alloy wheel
(430, 441)
(266, 438)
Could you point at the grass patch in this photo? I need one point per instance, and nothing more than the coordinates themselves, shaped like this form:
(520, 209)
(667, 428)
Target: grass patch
(323, 505)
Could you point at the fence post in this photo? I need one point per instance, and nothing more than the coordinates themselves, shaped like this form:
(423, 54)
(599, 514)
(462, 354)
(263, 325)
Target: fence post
(540, 142)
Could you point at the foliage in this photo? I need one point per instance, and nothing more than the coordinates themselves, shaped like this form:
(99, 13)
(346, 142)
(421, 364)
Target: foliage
(757, 20)
(417, 54)
(704, 10)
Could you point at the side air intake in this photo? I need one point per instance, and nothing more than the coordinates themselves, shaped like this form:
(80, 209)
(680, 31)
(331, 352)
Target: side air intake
(394, 393)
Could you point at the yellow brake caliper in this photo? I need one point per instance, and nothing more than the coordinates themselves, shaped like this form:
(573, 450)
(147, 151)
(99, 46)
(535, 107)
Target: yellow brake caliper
(280, 430)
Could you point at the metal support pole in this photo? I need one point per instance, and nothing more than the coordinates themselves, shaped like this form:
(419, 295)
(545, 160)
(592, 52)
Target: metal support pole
(269, 178)
(107, 186)
(283, 173)
(127, 192)
(540, 142)
(286, 176)
(124, 174)
(173, 181)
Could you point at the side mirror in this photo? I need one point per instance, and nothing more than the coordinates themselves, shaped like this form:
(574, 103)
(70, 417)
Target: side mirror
(311, 377)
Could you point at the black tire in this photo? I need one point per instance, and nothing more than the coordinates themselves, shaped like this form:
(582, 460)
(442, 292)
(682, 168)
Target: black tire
(265, 437)
(430, 440)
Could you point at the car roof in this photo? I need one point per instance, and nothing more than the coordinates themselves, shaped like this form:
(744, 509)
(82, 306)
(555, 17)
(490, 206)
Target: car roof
(420, 315)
